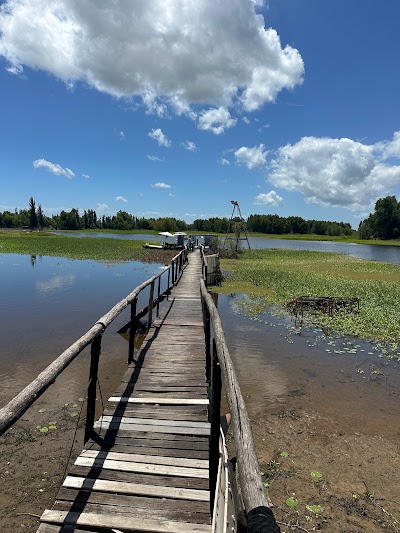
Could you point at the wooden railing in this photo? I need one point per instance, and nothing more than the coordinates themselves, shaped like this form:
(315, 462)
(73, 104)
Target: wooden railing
(18, 405)
(219, 364)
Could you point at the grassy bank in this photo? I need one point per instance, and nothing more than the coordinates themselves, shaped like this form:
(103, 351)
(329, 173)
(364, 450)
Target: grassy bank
(79, 248)
(274, 277)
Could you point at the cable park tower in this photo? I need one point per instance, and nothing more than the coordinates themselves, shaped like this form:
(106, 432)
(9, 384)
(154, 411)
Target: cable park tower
(236, 226)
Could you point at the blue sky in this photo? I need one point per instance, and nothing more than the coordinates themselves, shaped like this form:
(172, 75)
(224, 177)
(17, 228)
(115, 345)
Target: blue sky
(173, 108)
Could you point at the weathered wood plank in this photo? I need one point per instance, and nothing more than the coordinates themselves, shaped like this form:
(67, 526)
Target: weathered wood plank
(149, 459)
(155, 422)
(137, 513)
(126, 523)
(134, 488)
(132, 501)
(160, 401)
(178, 430)
(141, 479)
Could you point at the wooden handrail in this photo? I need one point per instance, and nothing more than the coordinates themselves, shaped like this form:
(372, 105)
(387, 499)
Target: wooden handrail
(16, 407)
(249, 475)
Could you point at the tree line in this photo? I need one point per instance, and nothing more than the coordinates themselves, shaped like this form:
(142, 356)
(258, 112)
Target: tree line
(384, 222)
(34, 218)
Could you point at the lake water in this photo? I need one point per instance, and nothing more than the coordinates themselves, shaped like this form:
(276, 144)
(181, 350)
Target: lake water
(372, 252)
(48, 303)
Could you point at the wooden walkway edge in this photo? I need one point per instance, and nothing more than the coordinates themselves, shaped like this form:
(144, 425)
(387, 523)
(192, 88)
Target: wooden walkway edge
(146, 466)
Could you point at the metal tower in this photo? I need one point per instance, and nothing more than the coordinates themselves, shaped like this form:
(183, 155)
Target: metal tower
(237, 225)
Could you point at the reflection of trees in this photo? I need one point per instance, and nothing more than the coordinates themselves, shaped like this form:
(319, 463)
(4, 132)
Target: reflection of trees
(33, 260)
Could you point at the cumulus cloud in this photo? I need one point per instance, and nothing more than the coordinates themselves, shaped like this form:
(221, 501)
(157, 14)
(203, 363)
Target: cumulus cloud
(224, 161)
(271, 198)
(189, 145)
(121, 199)
(54, 168)
(161, 185)
(102, 207)
(391, 148)
(211, 54)
(335, 172)
(216, 120)
(159, 136)
(252, 157)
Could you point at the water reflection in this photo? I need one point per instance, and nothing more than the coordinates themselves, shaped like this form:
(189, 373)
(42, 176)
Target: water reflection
(46, 308)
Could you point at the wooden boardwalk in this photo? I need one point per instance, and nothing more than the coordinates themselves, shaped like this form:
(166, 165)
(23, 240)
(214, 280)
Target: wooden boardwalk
(146, 467)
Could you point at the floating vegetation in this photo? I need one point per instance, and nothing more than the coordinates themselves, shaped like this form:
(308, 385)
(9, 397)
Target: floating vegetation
(315, 474)
(107, 249)
(271, 278)
(42, 410)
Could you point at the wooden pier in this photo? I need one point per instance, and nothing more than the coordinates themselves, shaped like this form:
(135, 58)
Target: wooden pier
(146, 467)
(155, 460)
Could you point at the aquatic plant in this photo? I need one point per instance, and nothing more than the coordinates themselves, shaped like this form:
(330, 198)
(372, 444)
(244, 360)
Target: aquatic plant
(272, 278)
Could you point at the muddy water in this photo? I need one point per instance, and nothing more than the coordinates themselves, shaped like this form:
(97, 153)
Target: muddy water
(280, 370)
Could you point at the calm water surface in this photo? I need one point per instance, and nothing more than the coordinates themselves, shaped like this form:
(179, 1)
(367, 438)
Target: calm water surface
(48, 303)
(372, 252)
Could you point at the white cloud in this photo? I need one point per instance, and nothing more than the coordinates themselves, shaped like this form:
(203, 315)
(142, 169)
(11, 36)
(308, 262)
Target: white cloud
(271, 198)
(161, 185)
(252, 157)
(121, 135)
(223, 161)
(391, 148)
(54, 168)
(86, 176)
(159, 136)
(335, 172)
(121, 199)
(102, 207)
(246, 120)
(189, 145)
(211, 54)
(154, 158)
(216, 120)
(266, 126)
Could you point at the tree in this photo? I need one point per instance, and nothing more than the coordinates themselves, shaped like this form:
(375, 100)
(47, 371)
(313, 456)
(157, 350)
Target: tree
(33, 219)
(40, 217)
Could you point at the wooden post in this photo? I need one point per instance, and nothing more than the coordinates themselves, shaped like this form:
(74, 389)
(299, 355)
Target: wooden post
(158, 295)
(169, 283)
(214, 419)
(132, 331)
(92, 387)
(150, 308)
(173, 272)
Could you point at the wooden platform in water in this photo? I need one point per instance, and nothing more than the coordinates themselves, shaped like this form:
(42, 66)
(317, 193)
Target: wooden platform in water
(146, 467)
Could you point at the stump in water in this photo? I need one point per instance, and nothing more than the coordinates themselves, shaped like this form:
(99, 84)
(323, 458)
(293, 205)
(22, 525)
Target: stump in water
(324, 304)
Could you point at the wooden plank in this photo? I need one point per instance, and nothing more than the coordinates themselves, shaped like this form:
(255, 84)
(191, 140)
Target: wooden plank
(137, 512)
(135, 488)
(160, 401)
(126, 523)
(51, 528)
(155, 422)
(143, 468)
(177, 430)
(125, 447)
(140, 502)
(149, 459)
(168, 440)
(95, 473)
